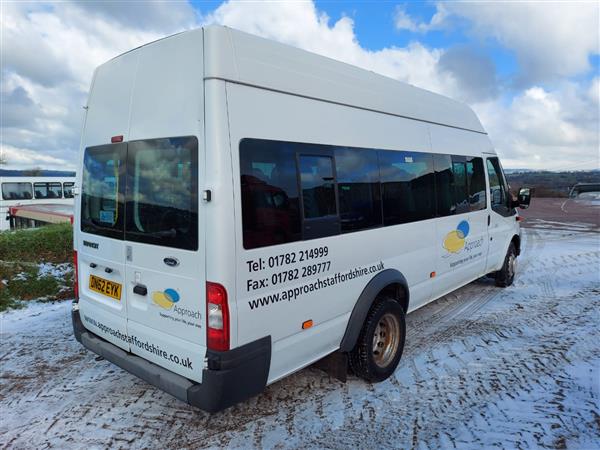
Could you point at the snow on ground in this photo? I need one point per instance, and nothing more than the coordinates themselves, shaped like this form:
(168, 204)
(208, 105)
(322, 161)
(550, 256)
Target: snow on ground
(483, 367)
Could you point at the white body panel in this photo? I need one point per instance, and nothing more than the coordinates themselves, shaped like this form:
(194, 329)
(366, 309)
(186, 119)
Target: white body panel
(155, 91)
(222, 86)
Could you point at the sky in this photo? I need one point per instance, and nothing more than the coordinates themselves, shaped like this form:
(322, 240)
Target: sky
(530, 70)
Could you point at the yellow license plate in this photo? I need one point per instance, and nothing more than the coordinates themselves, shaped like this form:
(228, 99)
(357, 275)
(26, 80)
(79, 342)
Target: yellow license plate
(106, 287)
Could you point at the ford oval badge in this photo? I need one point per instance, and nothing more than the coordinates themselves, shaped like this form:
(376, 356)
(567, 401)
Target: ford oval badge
(170, 261)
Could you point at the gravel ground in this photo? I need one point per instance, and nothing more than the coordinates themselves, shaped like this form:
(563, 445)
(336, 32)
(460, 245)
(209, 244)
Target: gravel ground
(483, 367)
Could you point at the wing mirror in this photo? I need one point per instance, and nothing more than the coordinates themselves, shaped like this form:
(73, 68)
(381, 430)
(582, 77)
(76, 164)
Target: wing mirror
(523, 198)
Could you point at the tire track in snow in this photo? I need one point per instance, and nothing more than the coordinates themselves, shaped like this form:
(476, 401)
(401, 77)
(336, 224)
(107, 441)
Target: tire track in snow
(483, 367)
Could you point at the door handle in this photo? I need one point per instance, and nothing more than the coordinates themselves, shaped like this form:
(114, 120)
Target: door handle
(140, 289)
(489, 220)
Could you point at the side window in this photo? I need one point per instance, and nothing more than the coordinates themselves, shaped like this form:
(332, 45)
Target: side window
(318, 186)
(17, 191)
(270, 201)
(408, 186)
(444, 185)
(68, 190)
(47, 190)
(358, 188)
(460, 184)
(460, 188)
(476, 181)
(498, 191)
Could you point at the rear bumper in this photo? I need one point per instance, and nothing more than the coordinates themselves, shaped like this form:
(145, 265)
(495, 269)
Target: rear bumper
(231, 377)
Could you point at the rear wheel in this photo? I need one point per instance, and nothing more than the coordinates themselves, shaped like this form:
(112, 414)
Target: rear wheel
(506, 275)
(381, 341)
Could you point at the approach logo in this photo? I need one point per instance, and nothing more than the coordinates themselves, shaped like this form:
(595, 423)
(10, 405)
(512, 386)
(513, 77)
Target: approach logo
(165, 299)
(454, 241)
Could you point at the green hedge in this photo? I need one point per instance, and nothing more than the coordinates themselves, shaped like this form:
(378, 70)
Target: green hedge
(52, 243)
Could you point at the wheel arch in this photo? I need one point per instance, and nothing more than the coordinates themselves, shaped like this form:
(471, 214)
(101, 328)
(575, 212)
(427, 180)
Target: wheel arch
(389, 280)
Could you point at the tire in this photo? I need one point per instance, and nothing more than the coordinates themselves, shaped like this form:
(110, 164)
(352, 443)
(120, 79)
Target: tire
(373, 360)
(506, 275)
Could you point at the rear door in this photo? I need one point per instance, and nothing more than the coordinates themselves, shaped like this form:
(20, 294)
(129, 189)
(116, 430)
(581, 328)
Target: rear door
(165, 281)
(100, 245)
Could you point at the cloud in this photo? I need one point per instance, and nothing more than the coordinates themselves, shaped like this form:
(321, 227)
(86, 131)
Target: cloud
(29, 159)
(50, 51)
(403, 21)
(551, 129)
(474, 72)
(551, 40)
(45, 83)
(300, 24)
(160, 17)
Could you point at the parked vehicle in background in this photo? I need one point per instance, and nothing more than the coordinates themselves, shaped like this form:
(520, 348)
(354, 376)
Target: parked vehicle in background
(32, 191)
(253, 208)
(585, 190)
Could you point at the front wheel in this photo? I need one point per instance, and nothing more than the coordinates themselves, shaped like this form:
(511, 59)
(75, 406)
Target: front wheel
(381, 341)
(506, 275)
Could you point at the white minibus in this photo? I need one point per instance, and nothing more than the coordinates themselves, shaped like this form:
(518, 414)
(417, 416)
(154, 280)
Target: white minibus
(247, 208)
(33, 190)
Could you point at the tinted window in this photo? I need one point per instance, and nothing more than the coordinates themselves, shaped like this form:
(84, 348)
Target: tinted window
(358, 188)
(460, 188)
(270, 205)
(498, 191)
(318, 186)
(102, 190)
(408, 186)
(17, 191)
(68, 190)
(444, 185)
(476, 182)
(460, 184)
(162, 186)
(47, 190)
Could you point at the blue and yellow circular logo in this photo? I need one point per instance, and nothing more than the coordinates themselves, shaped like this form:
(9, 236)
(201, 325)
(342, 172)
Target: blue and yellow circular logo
(165, 299)
(455, 240)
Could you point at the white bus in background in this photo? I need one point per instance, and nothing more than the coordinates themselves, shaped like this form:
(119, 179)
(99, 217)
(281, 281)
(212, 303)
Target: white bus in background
(252, 208)
(33, 190)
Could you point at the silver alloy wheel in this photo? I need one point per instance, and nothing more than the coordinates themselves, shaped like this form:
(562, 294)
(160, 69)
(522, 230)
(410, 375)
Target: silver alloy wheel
(512, 265)
(386, 340)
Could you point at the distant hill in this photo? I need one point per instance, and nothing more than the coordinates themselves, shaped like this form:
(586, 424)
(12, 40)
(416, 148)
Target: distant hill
(36, 173)
(551, 184)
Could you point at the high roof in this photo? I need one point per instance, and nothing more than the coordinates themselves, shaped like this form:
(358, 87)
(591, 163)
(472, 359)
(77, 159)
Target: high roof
(243, 58)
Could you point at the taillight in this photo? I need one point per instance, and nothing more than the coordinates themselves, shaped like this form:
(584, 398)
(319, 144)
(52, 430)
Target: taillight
(217, 317)
(76, 282)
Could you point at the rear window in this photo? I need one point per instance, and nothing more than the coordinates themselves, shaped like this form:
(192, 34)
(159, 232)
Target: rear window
(17, 191)
(162, 186)
(102, 190)
(143, 191)
(47, 190)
